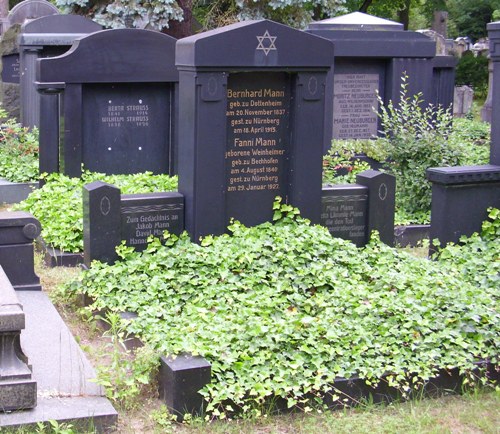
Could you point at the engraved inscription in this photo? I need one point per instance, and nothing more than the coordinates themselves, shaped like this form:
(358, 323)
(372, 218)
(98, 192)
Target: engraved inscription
(139, 222)
(118, 114)
(345, 217)
(355, 105)
(257, 137)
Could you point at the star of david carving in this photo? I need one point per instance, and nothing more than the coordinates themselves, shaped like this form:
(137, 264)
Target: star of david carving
(266, 42)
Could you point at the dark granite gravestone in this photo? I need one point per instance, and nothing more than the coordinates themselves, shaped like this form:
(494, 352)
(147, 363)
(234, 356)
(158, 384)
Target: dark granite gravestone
(9, 50)
(461, 196)
(371, 55)
(119, 110)
(17, 231)
(110, 217)
(17, 388)
(181, 378)
(251, 100)
(45, 37)
(344, 212)
(353, 211)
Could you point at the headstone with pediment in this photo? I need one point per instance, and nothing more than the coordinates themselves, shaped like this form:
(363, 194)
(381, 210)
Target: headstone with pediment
(251, 100)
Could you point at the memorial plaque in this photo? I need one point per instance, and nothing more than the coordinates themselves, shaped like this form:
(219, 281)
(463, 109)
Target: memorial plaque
(126, 129)
(355, 105)
(143, 215)
(344, 212)
(10, 68)
(256, 157)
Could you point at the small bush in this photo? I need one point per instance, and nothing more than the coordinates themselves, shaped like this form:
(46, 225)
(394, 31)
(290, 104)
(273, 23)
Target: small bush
(473, 71)
(18, 151)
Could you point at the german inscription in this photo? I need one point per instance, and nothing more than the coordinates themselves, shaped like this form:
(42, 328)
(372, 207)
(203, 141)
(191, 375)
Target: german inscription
(10, 68)
(354, 102)
(139, 221)
(258, 111)
(126, 128)
(345, 217)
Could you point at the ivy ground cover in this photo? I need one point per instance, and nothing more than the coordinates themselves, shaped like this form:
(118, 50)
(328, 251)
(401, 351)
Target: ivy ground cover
(58, 204)
(283, 309)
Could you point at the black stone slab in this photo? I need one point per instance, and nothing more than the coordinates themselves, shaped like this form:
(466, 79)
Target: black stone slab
(15, 192)
(146, 215)
(382, 203)
(10, 68)
(101, 222)
(126, 129)
(119, 117)
(17, 232)
(344, 211)
(258, 123)
(53, 257)
(461, 197)
(411, 235)
(277, 69)
(181, 378)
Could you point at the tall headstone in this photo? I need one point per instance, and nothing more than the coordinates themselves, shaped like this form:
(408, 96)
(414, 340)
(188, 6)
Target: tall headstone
(251, 100)
(116, 91)
(45, 37)
(371, 56)
(494, 36)
(440, 23)
(9, 50)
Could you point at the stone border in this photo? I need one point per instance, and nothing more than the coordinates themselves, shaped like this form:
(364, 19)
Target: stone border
(15, 192)
(411, 235)
(57, 258)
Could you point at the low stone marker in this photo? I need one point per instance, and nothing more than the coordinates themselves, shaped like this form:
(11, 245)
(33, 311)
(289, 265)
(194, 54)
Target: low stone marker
(462, 195)
(353, 211)
(110, 217)
(17, 388)
(181, 378)
(17, 231)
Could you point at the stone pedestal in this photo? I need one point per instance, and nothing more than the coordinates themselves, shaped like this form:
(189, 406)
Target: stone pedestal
(17, 389)
(17, 232)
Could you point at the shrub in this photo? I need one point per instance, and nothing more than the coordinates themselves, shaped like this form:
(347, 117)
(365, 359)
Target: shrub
(473, 71)
(18, 151)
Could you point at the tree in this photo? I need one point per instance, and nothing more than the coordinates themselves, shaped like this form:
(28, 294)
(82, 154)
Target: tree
(153, 14)
(469, 17)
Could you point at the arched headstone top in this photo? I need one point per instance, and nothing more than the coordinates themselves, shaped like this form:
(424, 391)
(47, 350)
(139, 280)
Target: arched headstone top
(61, 24)
(104, 57)
(30, 9)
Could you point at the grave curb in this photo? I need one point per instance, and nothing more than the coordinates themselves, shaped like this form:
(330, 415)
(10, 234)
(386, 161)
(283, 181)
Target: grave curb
(410, 235)
(172, 380)
(15, 192)
(57, 258)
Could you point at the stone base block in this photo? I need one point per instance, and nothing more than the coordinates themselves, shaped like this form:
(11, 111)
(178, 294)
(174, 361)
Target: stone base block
(17, 395)
(181, 378)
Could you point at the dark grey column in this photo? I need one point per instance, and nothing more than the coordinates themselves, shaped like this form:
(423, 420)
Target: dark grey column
(494, 35)
(30, 99)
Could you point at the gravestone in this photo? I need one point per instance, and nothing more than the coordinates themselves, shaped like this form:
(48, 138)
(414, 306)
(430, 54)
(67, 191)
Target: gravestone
(462, 102)
(9, 50)
(110, 217)
(45, 37)
(18, 229)
(116, 90)
(462, 195)
(353, 211)
(371, 56)
(251, 97)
